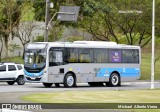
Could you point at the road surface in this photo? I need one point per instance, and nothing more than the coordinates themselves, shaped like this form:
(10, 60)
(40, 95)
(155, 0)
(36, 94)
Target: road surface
(35, 87)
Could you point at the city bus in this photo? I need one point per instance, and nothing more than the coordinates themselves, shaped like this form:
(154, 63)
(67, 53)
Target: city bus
(97, 63)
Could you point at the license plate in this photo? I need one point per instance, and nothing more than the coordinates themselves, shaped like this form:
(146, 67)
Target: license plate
(33, 78)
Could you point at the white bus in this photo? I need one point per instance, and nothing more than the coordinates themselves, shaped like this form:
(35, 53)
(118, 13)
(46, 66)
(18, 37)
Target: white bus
(94, 62)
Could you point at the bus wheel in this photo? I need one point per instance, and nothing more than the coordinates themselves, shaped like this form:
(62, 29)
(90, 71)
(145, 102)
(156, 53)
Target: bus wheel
(69, 80)
(47, 84)
(11, 82)
(57, 85)
(114, 80)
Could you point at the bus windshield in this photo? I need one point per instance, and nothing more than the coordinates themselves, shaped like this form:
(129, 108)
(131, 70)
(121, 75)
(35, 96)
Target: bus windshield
(35, 58)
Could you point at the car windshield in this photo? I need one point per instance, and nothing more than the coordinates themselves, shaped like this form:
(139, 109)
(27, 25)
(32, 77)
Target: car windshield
(35, 58)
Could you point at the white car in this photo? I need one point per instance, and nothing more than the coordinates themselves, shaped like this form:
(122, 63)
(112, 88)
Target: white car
(11, 73)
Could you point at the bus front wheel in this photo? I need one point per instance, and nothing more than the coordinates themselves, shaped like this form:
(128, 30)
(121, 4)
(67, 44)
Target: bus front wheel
(69, 80)
(114, 80)
(47, 84)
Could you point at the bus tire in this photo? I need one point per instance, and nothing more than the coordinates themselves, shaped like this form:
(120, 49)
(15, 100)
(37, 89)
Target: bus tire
(69, 80)
(11, 82)
(114, 80)
(20, 80)
(57, 85)
(47, 84)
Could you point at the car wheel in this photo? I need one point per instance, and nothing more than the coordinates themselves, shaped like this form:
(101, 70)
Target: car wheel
(69, 80)
(47, 84)
(20, 80)
(11, 82)
(114, 80)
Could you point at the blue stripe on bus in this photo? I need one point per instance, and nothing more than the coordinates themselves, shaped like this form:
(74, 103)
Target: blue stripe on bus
(124, 72)
(33, 74)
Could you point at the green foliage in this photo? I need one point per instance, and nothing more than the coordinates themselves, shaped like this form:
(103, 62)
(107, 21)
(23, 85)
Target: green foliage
(28, 12)
(10, 13)
(105, 20)
(39, 7)
(146, 66)
(41, 39)
(13, 47)
(14, 59)
(73, 38)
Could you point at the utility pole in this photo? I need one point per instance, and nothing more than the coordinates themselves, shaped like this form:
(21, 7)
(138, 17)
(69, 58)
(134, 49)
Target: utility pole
(153, 44)
(46, 20)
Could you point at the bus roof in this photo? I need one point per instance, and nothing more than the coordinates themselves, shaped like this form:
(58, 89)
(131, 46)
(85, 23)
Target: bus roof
(88, 44)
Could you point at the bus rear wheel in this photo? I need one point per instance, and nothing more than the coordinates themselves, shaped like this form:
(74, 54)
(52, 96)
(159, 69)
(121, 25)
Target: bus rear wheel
(47, 84)
(114, 80)
(69, 80)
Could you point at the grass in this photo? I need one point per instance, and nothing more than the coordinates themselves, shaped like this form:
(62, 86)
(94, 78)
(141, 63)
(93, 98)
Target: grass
(132, 96)
(146, 67)
(14, 59)
(92, 99)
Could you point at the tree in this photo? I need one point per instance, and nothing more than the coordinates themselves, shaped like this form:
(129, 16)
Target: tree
(109, 20)
(13, 47)
(10, 13)
(1, 47)
(123, 21)
(24, 31)
(41, 39)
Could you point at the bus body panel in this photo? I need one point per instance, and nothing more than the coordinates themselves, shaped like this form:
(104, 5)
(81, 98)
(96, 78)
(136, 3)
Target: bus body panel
(95, 73)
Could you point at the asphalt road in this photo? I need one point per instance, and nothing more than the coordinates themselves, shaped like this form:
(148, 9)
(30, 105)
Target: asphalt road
(36, 87)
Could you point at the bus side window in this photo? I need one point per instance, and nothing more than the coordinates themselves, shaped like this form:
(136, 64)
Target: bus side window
(51, 58)
(58, 57)
(72, 58)
(55, 57)
(85, 55)
(72, 55)
(130, 56)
